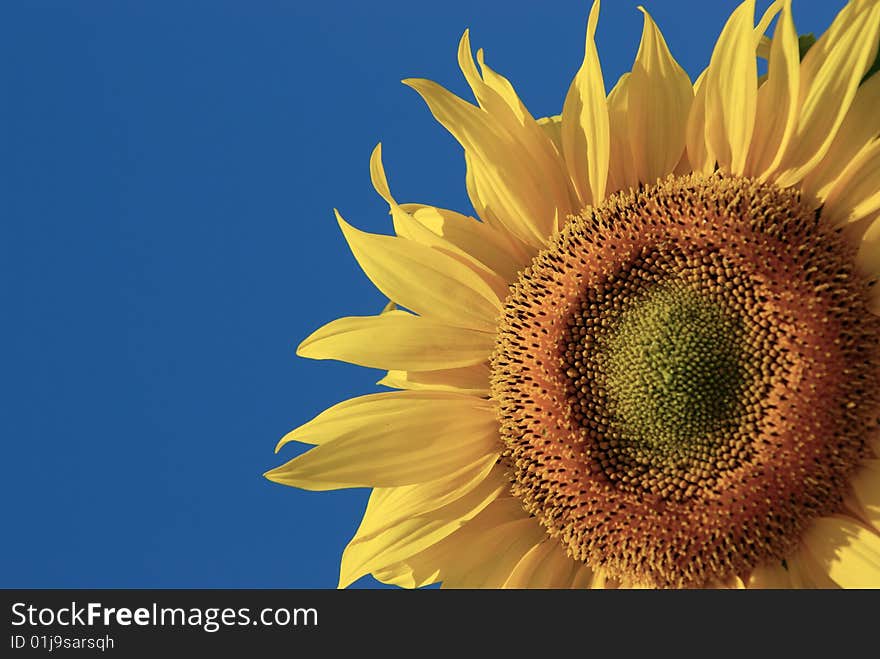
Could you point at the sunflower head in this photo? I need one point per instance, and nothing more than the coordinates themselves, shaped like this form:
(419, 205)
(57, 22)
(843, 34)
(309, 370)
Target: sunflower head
(653, 359)
(673, 379)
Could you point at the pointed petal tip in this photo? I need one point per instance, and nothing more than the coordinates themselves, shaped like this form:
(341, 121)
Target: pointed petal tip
(592, 21)
(348, 231)
(345, 226)
(347, 576)
(378, 177)
(464, 44)
(421, 86)
(302, 348)
(284, 441)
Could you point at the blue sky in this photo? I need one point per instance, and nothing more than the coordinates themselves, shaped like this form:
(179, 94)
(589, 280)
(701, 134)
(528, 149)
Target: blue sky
(167, 177)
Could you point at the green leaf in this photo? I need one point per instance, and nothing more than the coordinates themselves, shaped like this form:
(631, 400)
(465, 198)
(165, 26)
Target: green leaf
(805, 41)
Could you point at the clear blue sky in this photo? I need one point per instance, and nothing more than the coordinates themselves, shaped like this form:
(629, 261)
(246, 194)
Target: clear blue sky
(167, 174)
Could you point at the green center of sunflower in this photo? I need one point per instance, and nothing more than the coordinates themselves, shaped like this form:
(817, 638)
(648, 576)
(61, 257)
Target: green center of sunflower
(686, 377)
(674, 369)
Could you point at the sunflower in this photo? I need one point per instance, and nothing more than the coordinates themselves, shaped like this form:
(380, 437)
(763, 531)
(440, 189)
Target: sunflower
(654, 358)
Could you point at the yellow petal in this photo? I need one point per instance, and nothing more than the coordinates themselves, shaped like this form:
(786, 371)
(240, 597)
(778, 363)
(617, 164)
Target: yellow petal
(401, 219)
(402, 574)
(621, 169)
(347, 417)
(377, 175)
(867, 488)
(660, 97)
(806, 572)
(503, 533)
(583, 578)
(731, 91)
(428, 282)
(397, 340)
(546, 565)
(585, 131)
(830, 75)
(601, 581)
(488, 98)
(408, 226)
(868, 256)
(854, 233)
(731, 582)
(391, 439)
(497, 97)
(389, 506)
(502, 177)
(422, 568)
(506, 545)
(860, 126)
(466, 237)
(777, 100)
(770, 576)
(856, 192)
(683, 168)
(481, 554)
(552, 127)
(699, 152)
(406, 523)
(479, 195)
(468, 380)
(872, 228)
(502, 86)
(764, 46)
(848, 551)
(766, 18)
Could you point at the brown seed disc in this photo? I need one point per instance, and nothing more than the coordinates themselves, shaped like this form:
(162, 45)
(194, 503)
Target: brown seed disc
(686, 377)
